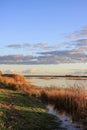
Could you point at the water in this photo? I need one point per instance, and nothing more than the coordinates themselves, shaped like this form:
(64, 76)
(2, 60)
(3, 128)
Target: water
(66, 120)
(57, 82)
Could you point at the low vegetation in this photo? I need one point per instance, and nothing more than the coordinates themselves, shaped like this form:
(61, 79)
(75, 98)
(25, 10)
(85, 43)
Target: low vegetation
(72, 100)
(19, 110)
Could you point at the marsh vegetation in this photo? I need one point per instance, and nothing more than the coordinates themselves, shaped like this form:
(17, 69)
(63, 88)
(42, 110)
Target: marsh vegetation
(22, 105)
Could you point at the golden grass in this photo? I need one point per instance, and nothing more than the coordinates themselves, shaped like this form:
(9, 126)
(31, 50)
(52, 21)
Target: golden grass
(75, 78)
(18, 82)
(46, 78)
(72, 100)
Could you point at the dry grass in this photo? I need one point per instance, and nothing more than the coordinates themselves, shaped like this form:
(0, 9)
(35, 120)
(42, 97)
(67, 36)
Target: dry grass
(75, 78)
(12, 79)
(46, 78)
(18, 82)
(72, 100)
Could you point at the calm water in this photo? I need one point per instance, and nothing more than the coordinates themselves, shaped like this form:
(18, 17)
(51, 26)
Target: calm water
(57, 82)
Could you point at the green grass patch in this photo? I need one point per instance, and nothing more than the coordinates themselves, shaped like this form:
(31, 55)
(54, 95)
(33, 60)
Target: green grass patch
(19, 111)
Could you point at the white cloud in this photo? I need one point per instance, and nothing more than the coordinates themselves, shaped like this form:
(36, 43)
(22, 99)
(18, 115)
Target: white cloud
(10, 71)
(78, 34)
(32, 71)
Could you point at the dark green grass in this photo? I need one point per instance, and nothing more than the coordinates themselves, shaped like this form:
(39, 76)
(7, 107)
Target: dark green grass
(19, 111)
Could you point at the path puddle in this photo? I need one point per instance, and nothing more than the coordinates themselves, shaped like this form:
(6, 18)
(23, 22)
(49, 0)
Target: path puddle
(66, 120)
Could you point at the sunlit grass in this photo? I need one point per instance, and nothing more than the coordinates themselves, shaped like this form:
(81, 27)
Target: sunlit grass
(19, 110)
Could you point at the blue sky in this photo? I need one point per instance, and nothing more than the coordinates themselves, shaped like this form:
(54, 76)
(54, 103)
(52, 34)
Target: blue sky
(43, 31)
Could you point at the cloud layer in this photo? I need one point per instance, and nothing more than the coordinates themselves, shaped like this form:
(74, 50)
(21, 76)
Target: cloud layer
(39, 46)
(16, 59)
(48, 57)
(78, 34)
(72, 51)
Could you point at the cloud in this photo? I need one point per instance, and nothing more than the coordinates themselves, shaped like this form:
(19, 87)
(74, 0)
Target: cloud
(47, 57)
(80, 44)
(16, 59)
(40, 45)
(30, 71)
(18, 46)
(28, 45)
(14, 46)
(10, 71)
(80, 72)
(73, 51)
(37, 46)
(63, 56)
(53, 47)
(78, 34)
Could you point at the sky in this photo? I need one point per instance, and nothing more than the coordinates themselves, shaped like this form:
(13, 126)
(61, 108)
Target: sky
(52, 69)
(43, 31)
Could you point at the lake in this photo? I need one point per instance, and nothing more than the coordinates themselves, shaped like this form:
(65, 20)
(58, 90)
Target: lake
(57, 82)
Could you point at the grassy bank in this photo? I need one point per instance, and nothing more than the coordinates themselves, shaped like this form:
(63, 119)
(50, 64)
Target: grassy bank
(19, 110)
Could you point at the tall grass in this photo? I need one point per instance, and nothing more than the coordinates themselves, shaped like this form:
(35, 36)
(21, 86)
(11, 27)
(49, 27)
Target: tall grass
(12, 81)
(18, 82)
(72, 100)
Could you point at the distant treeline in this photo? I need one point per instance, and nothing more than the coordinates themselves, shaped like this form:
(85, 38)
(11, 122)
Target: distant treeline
(62, 76)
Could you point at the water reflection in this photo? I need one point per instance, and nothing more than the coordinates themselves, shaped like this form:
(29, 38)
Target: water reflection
(65, 119)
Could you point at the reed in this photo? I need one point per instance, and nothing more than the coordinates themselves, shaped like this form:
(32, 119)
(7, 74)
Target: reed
(72, 100)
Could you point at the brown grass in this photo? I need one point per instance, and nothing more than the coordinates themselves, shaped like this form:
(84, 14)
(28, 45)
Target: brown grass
(18, 82)
(75, 78)
(46, 78)
(72, 100)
